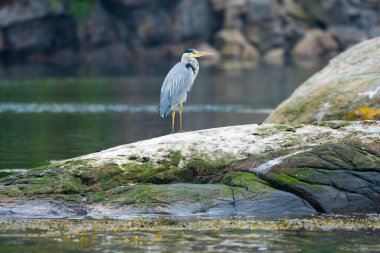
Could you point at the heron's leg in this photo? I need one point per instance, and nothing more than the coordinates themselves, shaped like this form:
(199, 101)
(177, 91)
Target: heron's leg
(173, 117)
(180, 118)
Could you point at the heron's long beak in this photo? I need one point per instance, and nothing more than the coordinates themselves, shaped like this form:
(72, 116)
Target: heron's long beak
(201, 54)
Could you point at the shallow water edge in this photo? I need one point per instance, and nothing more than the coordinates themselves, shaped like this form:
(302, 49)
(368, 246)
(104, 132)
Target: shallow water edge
(78, 226)
(316, 234)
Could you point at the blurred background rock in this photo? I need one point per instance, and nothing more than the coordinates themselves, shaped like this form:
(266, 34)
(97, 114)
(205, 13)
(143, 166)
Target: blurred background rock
(115, 32)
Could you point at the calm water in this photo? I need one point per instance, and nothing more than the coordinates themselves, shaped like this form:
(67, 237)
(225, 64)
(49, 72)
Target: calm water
(51, 114)
(195, 241)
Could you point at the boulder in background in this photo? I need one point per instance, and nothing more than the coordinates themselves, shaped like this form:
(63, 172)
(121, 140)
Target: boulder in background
(350, 81)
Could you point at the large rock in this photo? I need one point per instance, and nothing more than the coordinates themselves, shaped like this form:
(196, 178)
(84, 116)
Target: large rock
(327, 12)
(34, 31)
(39, 40)
(263, 26)
(349, 21)
(349, 82)
(47, 34)
(316, 44)
(265, 171)
(103, 43)
(233, 45)
(275, 57)
(334, 178)
(12, 12)
(150, 23)
(347, 35)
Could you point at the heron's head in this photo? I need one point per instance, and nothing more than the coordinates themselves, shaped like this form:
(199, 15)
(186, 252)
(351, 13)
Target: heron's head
(192, 53)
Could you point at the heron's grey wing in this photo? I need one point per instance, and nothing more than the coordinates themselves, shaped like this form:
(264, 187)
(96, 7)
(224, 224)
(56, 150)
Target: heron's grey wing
(175, 87)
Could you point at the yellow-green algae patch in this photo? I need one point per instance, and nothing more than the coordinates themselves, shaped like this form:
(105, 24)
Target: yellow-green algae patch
(249, 181)
(78, 227)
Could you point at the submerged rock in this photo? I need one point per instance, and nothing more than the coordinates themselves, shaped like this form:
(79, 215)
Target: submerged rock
(349, 82)
(254, 170)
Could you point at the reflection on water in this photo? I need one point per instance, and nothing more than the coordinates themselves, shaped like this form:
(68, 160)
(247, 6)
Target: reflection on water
(52, 114)
(196, 241)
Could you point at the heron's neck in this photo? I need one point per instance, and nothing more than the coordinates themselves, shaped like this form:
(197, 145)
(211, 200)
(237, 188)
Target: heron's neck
(193, 63)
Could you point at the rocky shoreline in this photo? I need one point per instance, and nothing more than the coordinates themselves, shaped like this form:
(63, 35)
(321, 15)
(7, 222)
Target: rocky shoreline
(46, 227)
(116, 32)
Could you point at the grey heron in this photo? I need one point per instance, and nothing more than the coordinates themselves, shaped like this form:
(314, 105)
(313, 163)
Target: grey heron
(178, 83)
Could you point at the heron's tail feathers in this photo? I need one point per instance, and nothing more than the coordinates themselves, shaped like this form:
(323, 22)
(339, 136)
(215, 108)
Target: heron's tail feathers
(164, 110)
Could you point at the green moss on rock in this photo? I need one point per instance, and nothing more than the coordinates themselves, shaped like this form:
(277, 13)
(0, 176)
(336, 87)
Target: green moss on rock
(175, 157)
(247, 180)
(166, 194)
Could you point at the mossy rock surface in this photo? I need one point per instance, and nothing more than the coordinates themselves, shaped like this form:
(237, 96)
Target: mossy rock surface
(334, 178)
(349, 82)
(254, 170)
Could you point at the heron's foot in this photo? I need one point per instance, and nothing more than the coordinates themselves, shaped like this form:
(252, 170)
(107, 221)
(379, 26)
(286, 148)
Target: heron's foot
(181, 131)
(172, 132)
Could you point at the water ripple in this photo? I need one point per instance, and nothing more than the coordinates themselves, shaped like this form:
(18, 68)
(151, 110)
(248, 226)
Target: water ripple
(129, 108)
